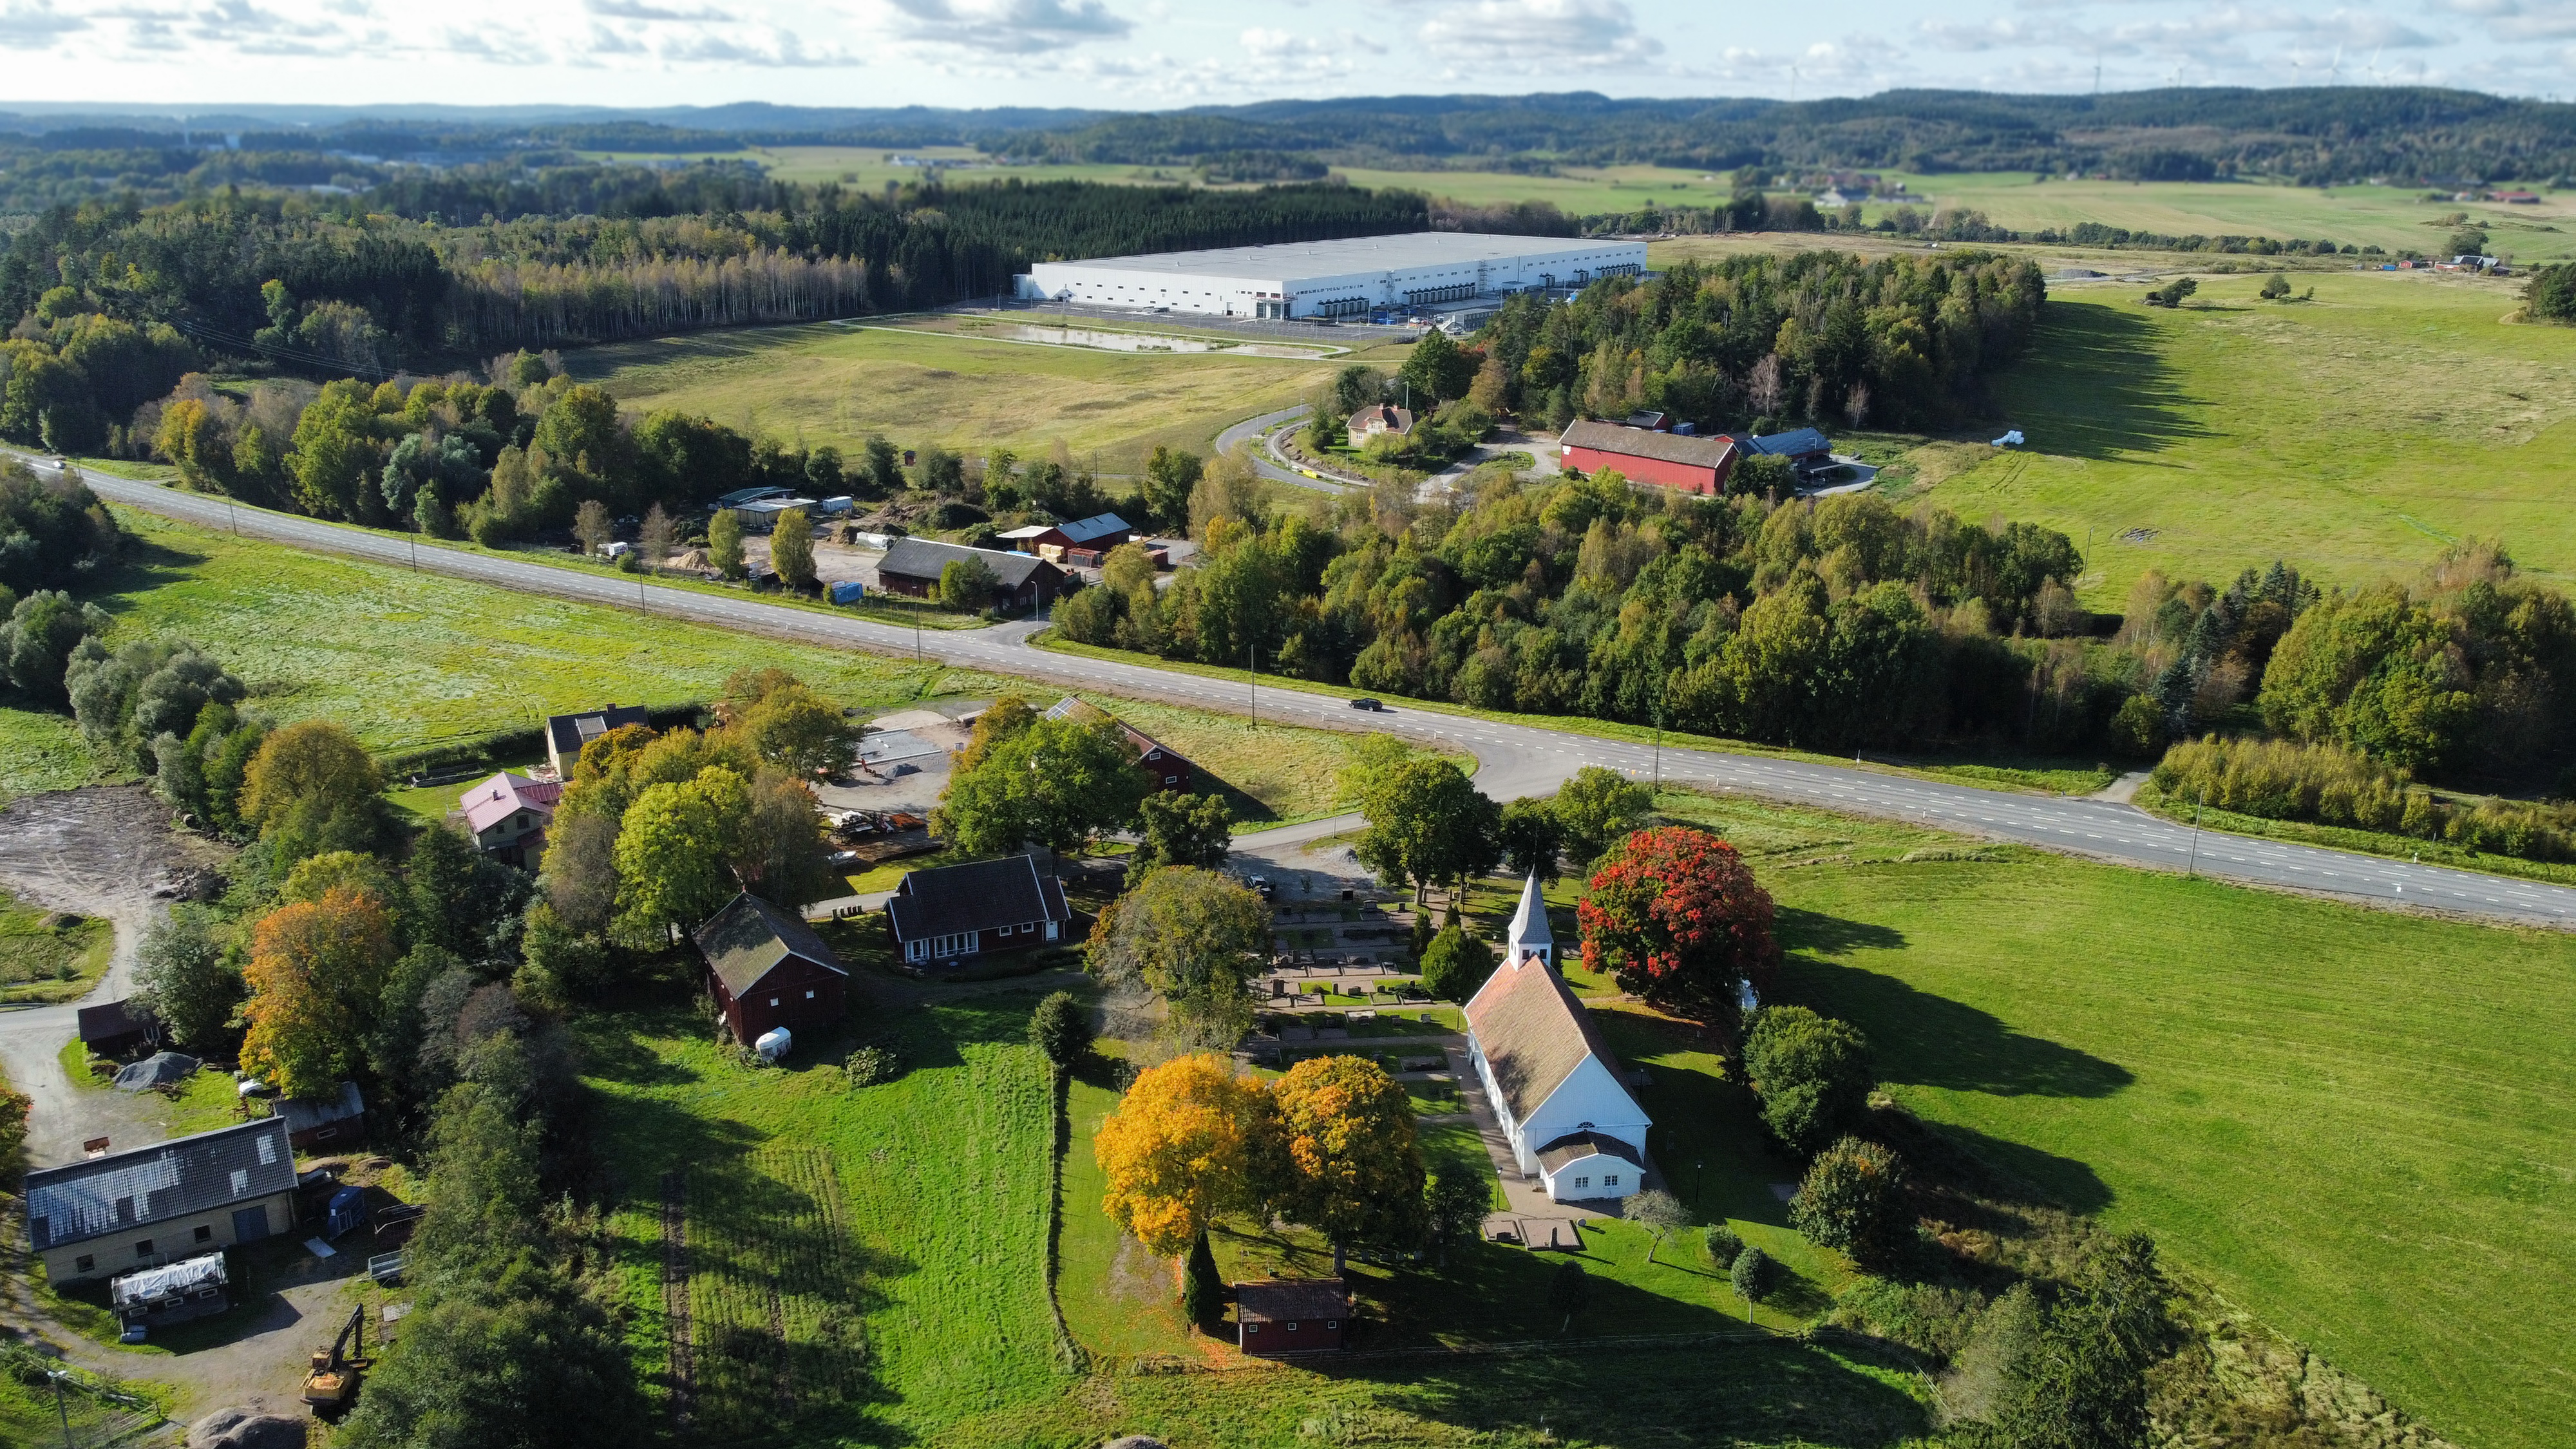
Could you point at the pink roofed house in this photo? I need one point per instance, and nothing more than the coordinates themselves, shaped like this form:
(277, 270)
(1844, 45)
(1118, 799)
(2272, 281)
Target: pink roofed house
(508, 814)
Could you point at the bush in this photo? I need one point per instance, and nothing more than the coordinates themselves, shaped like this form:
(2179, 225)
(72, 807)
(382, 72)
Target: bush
(1723, 1245)
(1456, 964)
(2332, 785)
(1812, 1073)
(870, 1065)
(1854, 1201)
(1752, 1274)
(1061, 1028)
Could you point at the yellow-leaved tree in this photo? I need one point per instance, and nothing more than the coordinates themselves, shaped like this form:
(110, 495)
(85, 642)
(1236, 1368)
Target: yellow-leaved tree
(317, 969)
(1181, 1149)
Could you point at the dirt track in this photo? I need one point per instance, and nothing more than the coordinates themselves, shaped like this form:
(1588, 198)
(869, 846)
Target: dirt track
(106, 851)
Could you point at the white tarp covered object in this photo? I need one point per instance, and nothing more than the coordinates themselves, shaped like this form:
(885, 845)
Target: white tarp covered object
(169, 1281)
(772, 1044)
(2009, 440)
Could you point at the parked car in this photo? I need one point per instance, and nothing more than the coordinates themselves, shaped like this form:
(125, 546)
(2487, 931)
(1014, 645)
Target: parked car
(1371, 705)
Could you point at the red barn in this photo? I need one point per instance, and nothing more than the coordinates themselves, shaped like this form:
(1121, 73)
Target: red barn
(1294, 1315)
(1672, 460)
(1169, 770)
(767, 968)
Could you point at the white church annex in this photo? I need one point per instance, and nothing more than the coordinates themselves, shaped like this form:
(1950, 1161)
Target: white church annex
(1550, 1076)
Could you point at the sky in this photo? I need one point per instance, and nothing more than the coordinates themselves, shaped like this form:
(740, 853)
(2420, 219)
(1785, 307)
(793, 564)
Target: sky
(1154, 54)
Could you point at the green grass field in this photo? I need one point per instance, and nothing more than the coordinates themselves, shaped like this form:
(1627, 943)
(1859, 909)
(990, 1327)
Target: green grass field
(2350, 1122)
(901, 1227)
(406, 659)
(869, 168)
(2336, 434)
(835, 384)
(44, 957)
(1273, 775)
(41, 750)
(2396, 219)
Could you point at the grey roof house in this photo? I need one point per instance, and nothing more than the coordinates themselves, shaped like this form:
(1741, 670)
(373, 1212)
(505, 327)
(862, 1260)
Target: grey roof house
(1021, 580)
(151, 1205)
(966, 910)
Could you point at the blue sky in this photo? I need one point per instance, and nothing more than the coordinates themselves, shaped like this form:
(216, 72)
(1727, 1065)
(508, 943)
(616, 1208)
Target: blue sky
(1147, 54)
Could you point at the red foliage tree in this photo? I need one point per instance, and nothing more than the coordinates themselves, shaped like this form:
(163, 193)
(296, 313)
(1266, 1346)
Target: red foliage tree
(1675, 915)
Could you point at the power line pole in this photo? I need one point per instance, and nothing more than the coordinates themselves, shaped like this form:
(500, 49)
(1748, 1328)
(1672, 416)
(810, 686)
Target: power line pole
(2199, 803)
(1252, 681)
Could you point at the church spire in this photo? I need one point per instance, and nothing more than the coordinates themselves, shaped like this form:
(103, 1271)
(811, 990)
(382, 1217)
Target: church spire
(1529, 934)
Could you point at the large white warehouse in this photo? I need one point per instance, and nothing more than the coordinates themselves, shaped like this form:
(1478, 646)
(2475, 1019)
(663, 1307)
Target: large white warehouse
(1334, 278)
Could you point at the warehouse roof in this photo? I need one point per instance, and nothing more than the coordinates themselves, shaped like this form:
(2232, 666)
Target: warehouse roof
(1356, 254)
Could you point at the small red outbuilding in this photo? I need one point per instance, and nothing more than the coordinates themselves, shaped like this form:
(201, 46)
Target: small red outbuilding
(1291, 1315)
(767, 968)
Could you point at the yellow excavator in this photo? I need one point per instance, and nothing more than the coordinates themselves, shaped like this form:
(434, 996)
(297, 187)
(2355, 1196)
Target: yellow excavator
(332, 1386)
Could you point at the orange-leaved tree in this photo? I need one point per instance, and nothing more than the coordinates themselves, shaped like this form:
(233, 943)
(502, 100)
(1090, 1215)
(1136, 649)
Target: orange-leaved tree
(316, 971)
(1181, 1149)
(1677, 917)
(1346, 1162)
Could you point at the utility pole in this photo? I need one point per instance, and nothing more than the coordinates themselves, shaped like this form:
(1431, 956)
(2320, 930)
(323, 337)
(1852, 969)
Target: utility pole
(2199, 803)
(232, 518)
(415, 553)
(1659, 741)
(1252, 681)
(57, 1376)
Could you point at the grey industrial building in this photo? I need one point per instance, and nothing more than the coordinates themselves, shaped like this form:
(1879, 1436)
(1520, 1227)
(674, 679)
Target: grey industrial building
(1348, 278)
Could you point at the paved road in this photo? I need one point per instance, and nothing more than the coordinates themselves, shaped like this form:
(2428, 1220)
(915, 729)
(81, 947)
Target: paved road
(1517, 759)
(1265, 462)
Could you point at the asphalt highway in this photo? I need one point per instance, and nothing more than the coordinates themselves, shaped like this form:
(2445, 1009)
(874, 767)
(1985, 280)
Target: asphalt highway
(1515, 759)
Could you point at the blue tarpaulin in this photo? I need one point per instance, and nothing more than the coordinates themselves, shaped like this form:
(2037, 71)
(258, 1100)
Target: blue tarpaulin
(849, 593)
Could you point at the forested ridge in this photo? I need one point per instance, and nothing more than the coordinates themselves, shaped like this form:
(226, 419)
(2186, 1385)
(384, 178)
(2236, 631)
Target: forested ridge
(2313, 134)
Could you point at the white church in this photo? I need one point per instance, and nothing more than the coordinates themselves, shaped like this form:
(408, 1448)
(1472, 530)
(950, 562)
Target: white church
(1550, 1076)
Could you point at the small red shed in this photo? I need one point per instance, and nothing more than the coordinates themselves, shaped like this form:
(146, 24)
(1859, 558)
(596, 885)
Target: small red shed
(1169, 771)
(1643, 455)
(767, 968)
(1291, 1315)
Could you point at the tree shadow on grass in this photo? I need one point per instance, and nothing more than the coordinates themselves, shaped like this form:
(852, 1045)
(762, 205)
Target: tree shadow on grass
(142, 565)
(2096, 385)
(1921, 1039)
(1762, 1391)
(781, 1279)
(1833, 935)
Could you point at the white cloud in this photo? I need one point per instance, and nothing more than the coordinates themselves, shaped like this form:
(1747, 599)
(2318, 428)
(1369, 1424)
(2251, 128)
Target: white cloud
(1010, 27)
(1519, 33)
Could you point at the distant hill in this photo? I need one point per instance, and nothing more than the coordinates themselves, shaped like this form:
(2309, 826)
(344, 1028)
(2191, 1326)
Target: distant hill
(2313, 135)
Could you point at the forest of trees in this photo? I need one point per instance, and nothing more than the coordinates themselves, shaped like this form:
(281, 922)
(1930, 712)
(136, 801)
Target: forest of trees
(366, 291)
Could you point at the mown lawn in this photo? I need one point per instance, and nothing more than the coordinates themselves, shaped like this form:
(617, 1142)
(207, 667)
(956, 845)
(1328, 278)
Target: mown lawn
(2351, 1122)
(2336, 434)
(902, 1227)
(836, 384)
(406, 659)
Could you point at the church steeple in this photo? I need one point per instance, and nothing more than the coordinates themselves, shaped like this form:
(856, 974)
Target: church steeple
(1529, 934)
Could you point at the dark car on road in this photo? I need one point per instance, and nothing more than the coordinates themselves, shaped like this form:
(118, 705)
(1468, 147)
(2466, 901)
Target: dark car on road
(1372, 706)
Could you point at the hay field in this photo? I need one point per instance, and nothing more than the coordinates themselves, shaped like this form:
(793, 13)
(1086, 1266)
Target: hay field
(2355, 436)
(831, 383)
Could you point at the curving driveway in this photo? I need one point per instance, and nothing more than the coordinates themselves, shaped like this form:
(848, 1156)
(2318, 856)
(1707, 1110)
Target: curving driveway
(1517, 758)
